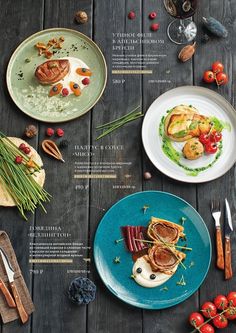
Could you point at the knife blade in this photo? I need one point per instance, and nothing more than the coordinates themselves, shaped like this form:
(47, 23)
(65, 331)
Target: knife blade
(10, 274)
(10, 301)
(228, 230)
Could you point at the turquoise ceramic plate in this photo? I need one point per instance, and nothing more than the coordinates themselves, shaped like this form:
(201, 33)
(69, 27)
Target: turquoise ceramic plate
(117, 277)
(32, 97)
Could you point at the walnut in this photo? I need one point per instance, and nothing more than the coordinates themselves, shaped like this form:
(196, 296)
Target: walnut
(81, 17)
(31, 131)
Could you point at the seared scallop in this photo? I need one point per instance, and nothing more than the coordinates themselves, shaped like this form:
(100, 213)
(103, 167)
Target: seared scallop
(193, 149)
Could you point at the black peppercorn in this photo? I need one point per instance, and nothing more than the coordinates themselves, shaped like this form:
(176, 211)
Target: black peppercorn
(64, 144)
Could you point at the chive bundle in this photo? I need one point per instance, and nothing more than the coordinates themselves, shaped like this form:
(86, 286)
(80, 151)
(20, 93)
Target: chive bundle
(113, 125)
(18, 179)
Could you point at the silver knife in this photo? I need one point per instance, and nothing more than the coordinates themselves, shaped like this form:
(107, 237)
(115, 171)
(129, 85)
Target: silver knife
(10, 274)
(228, 230)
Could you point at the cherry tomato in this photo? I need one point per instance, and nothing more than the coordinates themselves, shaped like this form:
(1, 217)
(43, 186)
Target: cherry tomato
(217, 67)
(230, 314)
(232, 298)
(221, 79)
(211, 148)
(196, 319)
(220, 321)
(215, 137)
(209, 310)
(204, 138)
(221, 302)
(208, 77)
(207, 329)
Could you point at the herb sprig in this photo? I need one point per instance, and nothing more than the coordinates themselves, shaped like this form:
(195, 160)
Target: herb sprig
(18, 180)
(115, 124)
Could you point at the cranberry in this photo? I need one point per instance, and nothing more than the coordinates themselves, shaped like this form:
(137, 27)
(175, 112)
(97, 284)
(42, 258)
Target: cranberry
(86, 81)
(65, 92)
(18, 160)
(60, 132)
(155, 26)
(131, 15)
(27, 150)
(152, 15)
(50, 131)
(22, 146)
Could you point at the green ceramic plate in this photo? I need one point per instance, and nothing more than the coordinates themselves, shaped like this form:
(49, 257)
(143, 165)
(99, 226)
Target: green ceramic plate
(32, 97)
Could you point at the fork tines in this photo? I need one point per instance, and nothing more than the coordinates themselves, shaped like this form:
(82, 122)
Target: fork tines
(215, 205)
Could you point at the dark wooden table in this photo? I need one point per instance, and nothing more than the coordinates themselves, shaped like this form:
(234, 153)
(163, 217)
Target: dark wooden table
(79, 211)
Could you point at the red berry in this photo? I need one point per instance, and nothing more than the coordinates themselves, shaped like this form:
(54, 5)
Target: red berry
(65, 92)
(60, 132)
(50, 131)
(86, 81)
(152, 15)
(18, 160)
(22, 146)
(155, 26)
(131, 15)
(27, 150)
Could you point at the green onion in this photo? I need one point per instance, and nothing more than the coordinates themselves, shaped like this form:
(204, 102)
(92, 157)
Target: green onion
(18, 180)
(115, 124)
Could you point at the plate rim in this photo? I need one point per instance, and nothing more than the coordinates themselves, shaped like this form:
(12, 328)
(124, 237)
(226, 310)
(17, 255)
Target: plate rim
(194, 180)
(148, 306)
(12, 57)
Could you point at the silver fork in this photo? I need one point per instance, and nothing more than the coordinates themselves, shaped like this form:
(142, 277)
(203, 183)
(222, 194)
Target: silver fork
(216, 213)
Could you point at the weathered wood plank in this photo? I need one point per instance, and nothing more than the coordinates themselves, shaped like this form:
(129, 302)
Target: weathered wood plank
(18, 21)
(174, 74)
(222, 50)
(107, 313)
(68, 208)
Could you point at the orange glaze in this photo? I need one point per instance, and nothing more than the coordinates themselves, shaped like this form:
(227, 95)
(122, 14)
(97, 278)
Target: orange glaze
(77, 90)
(59, 87)
(83, 71)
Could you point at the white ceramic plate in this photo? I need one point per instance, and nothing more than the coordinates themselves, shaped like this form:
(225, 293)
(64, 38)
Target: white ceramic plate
(208, 103)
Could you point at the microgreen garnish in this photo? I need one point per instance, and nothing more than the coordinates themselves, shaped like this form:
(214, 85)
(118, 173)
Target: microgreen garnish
(192, 263)
(119, 240)
(182, 220)
(164, 289)
(145, 208)
(169, 244)
(116, 260)
(181, 282)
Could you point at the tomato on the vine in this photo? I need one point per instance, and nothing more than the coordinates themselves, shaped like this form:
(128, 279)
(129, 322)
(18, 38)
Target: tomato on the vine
(211, 148)
(204, 138)
(230, 314)
(208, 77)
(209, 310)
(196, 319)
(231, 297)
(221, 302)
(221, 79)
(217, 67)
(220, 321)
(215, 136)
(207, 329)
